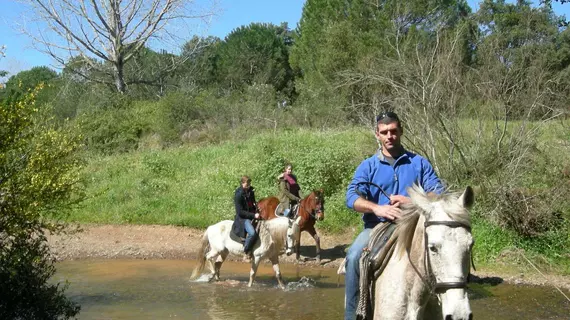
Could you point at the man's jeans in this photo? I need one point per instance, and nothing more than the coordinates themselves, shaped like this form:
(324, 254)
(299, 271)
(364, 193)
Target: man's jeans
(250, 238)
(286, 212)
(351, 278)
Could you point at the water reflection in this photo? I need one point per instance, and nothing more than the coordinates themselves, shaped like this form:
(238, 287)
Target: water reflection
(159, 289)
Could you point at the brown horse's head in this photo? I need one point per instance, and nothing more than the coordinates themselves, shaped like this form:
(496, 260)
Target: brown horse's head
(317, 204)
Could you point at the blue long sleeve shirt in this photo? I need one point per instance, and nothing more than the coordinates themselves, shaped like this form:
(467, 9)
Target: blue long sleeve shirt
(408, 169)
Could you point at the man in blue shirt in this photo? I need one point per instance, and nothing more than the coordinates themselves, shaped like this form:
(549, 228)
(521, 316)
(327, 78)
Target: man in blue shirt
(394, 169)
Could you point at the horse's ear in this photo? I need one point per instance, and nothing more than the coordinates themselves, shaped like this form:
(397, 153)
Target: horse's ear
(467, 198)
(419, 198)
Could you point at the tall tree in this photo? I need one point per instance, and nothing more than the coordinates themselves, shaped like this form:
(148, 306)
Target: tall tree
(202, 57)
(27, 80)
(111, 31)
(516, 54)
(257, 53)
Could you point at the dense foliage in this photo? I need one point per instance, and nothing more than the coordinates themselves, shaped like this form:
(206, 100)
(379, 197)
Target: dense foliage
(38, 185)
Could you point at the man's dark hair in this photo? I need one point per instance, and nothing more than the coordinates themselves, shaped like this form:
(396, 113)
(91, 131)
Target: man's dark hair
(245, 179)
(388, 117)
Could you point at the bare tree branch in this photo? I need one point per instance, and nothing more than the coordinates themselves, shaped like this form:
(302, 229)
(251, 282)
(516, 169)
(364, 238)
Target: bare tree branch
(112, 31)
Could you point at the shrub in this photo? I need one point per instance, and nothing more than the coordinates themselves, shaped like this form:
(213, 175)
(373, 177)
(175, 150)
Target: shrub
(38, 185)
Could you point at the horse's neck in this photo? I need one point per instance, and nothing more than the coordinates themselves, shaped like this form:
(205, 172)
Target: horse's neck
(265, 234)
(404, 301)
(417, 248)
(417, 272)
(304, 205)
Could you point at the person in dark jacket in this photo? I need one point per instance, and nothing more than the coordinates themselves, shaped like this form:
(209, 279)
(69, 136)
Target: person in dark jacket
(246, 207)
(289, 190)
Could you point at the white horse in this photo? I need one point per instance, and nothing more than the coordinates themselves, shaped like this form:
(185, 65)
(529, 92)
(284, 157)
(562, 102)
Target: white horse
(440, 226)
(217, 243)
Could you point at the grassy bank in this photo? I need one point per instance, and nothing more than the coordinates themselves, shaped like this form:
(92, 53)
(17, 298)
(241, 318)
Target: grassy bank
(193, 186)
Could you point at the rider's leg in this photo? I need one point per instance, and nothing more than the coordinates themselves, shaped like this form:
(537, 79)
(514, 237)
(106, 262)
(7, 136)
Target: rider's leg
(352, 276)
(249, 240)
(286, 212)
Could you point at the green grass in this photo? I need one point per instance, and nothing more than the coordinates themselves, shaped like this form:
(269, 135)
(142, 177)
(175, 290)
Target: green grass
(193, 186)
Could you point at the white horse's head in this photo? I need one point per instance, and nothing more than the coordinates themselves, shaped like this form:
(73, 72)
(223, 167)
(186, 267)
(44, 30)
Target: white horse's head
(448, 243)
(292, 235)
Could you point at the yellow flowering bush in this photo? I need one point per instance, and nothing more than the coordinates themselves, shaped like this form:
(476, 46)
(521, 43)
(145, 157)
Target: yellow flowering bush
(39, 181)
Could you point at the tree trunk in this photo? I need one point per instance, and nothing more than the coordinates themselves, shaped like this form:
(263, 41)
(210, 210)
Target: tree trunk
(119, 77)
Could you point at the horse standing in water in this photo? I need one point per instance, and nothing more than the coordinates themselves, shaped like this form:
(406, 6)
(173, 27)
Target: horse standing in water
(309, 210)
(431, 260)
(218, 241)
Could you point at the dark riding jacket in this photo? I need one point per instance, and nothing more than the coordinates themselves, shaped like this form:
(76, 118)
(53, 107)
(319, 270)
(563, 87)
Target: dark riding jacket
(289, 194)
(246, 207)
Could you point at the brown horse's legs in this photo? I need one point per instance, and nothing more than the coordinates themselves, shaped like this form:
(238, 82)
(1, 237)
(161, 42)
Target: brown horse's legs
(275, 261)
(315, 236)
(253, 271)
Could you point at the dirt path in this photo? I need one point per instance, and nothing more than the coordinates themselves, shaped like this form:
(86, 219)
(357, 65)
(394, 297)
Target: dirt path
(168, 242)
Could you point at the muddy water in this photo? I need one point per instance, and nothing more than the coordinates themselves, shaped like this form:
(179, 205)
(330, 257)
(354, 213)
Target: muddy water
(161, 289)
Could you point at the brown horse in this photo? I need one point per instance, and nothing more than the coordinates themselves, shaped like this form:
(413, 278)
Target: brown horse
(309, 210)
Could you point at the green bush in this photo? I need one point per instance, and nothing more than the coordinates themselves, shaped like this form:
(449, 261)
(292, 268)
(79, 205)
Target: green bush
(39, 183)
(119, 128)
(25, 293)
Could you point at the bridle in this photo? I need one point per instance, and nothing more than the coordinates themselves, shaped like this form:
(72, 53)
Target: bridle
(439, 287)
(319, 208)
(435, 286)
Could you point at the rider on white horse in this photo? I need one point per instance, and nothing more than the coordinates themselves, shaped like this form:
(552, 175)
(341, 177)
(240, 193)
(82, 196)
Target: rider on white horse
(377, 190)
(246, 211)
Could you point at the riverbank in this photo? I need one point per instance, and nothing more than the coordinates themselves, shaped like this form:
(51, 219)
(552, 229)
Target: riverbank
(170, 242)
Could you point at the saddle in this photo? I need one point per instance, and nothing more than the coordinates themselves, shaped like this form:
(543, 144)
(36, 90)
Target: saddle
(241, 240)
(292, 214)
(373, 261)
(236, 238)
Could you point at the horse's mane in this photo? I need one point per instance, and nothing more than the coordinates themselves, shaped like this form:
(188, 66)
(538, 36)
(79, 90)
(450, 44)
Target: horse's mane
(419, 209)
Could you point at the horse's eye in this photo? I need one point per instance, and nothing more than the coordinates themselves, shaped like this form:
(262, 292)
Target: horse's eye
(432, 248)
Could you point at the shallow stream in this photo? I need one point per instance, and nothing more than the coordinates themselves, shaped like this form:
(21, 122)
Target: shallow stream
(162, 289)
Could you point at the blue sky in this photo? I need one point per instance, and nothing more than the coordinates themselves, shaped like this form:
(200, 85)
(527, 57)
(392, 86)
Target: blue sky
(20, 55)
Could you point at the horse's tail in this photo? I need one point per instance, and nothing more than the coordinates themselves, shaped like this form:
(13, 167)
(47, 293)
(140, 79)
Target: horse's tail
(201, 256)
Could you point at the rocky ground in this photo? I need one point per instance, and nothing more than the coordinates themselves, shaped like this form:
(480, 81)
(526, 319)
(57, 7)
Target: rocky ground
(169, 242)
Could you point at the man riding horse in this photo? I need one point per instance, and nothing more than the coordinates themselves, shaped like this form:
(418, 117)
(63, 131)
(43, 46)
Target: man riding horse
(377, 190)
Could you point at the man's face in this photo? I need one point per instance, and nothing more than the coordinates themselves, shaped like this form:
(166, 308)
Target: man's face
(288, 170)
(246, 185)
(389, 135)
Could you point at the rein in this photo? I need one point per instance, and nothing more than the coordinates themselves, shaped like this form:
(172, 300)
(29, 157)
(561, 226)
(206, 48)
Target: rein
(370, 184)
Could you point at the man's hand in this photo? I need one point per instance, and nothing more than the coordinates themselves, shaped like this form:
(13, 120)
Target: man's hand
(257, 216)
(391, 212)
(398, 199)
